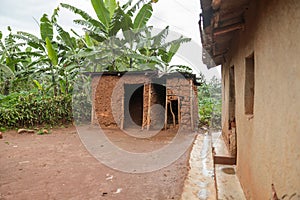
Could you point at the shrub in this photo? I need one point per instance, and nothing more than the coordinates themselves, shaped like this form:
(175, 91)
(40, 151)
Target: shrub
(210, 103)
(30, 109)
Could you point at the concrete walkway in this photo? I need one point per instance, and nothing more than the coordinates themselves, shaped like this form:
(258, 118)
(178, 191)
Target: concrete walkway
(206, 181)
(228, 185)
(200, 183)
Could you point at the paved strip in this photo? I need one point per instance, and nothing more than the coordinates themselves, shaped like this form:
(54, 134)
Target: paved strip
(200, 182)
(228, 184)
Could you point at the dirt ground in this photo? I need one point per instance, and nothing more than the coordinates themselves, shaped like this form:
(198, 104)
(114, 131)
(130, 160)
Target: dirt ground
(57, 166)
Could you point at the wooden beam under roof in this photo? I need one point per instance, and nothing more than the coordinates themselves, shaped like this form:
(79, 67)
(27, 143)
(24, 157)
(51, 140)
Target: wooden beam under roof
(227, 29)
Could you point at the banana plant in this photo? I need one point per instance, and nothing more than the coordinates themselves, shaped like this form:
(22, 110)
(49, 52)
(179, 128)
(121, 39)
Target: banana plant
(153, 52)
(13, 61)
(111, 20)
(56, 59)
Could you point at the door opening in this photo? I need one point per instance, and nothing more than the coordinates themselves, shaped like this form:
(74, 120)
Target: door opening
(158, 105)
(232, 140)
(133, 105)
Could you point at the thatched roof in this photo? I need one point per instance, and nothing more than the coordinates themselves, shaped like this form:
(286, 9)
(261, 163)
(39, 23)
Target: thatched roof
(219, 21)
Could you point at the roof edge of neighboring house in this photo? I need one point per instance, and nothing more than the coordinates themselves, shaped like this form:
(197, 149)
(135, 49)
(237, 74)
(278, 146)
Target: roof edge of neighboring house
(219, 21)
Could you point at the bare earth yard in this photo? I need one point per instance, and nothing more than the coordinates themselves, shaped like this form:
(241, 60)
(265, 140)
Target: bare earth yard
(57, 166)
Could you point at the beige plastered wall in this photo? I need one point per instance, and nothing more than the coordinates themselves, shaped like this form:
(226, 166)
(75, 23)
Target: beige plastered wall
(268, 143)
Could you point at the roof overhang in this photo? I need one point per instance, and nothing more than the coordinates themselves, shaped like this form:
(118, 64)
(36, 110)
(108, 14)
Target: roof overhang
(219, 22)
(153, 74)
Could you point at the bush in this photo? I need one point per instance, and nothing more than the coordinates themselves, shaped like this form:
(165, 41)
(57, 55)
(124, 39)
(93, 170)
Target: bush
(30, 109)
(82, 108)
(210, 103)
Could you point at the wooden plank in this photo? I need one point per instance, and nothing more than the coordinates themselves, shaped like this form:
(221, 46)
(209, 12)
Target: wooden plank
(149, 106)
(144, 118)
(166, 110)
(224, 160)
(227, 29)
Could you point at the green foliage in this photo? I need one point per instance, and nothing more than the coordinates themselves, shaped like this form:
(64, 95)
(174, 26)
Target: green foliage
(82, 108)
(51, 52)
(29, 109)
(37, 73)
(210, 103)
(46, 28)
(142, 17)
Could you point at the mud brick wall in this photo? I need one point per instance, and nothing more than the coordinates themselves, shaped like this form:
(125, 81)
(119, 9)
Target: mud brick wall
(118, 95)
(102, 95)
(182, 88)
(108, 98)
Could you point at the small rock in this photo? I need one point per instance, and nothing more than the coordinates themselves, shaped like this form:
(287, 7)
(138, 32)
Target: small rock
(22, 130)
(45, 131)
(24, 162)
(109, 177)
(118, 190)
(1, 136)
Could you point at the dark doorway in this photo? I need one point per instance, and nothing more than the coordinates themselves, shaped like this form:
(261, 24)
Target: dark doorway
(249, 85)
(158, 104)
(232, 123)
(133, 104)
(231, 106)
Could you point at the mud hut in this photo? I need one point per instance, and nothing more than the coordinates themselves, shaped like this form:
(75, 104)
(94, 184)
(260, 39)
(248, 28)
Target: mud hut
(145, 100)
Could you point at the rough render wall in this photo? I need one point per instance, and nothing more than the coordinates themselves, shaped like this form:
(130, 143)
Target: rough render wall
(268, 144)
(118, 94)
(103, 88)
(108, 96)
(184, 88)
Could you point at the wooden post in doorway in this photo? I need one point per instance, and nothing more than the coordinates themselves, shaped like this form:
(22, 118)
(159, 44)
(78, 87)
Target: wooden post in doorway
(123, 112)
(149, 107)
(166, 109)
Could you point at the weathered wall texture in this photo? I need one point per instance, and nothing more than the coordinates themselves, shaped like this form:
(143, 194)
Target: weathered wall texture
(268, 149)
(103, 88)
(118, 94)
(108, 104)
(185, 89)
